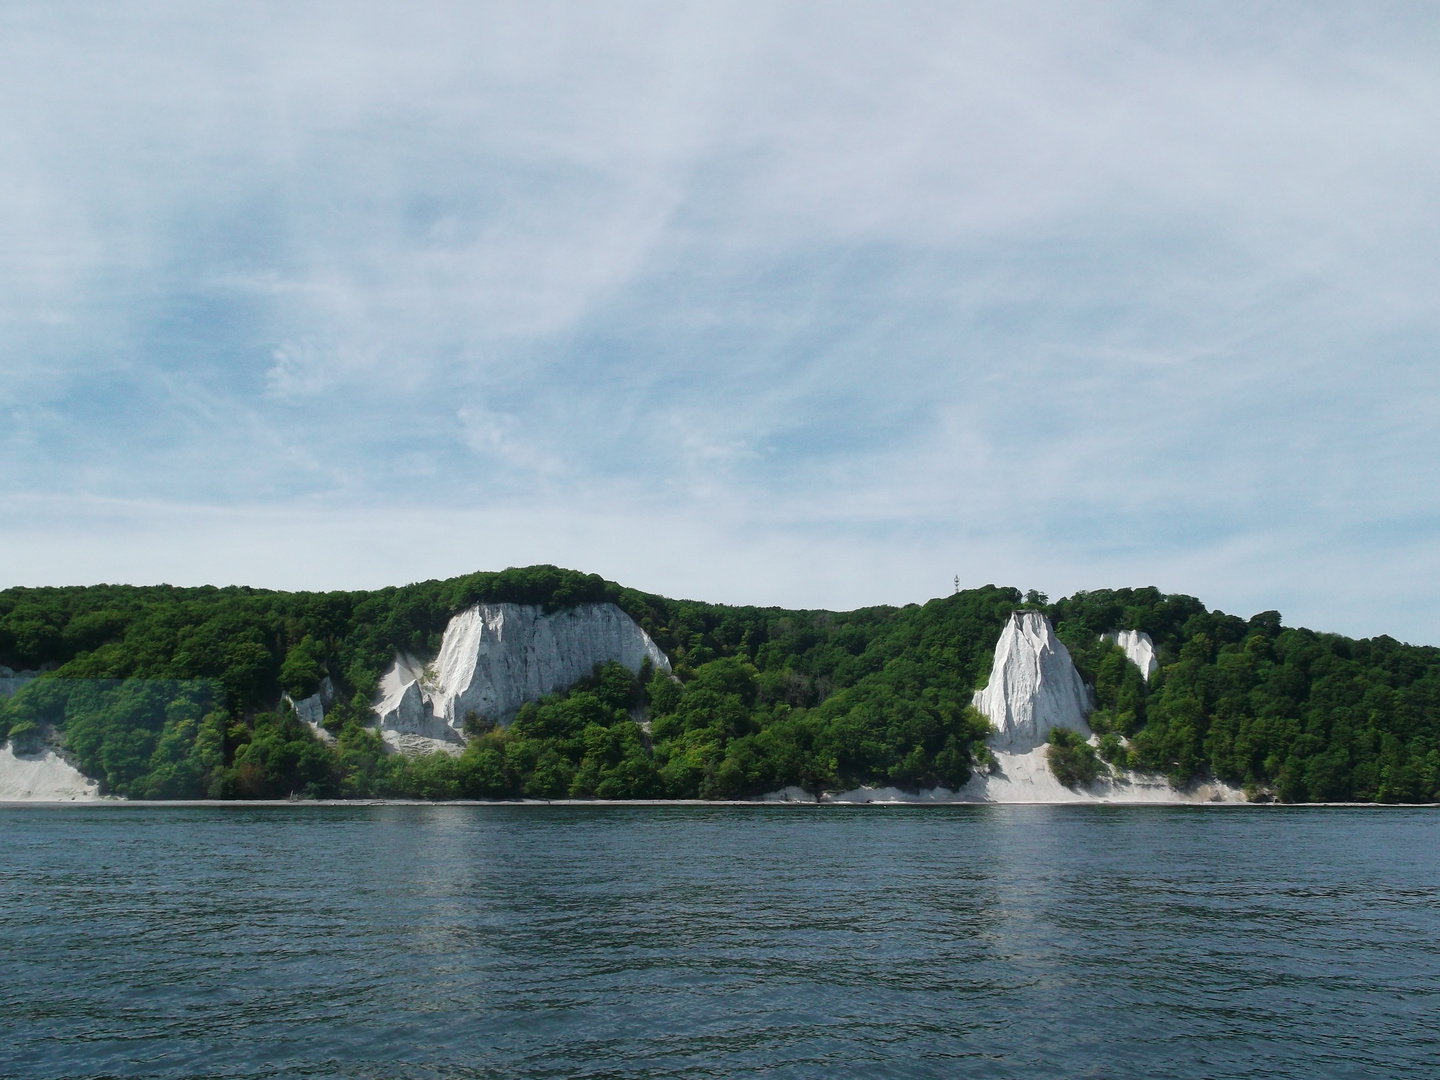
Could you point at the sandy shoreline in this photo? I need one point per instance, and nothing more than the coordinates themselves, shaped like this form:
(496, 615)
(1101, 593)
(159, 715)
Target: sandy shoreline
(44, 779)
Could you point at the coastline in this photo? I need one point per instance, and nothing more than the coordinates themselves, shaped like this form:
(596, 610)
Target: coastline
(44, 779)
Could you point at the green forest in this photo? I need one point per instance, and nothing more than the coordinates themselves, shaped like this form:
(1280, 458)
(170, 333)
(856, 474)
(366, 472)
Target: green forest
(164, 692)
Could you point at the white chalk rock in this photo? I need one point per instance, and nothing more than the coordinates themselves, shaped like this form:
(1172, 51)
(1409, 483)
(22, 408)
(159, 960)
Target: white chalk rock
(1138, 649)
(496, 657)
(43, 776)
(405, 742)
(1033, 685)
(311, 710)
(1026, 778)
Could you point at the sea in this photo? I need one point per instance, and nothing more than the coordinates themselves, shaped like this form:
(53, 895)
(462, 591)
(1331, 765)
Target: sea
(713, 941)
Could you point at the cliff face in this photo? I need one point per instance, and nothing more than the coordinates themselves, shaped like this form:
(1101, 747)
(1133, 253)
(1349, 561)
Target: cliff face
(42, 777)
(1033, 686)
(1138, 648)
(312, 709)
(496, 657)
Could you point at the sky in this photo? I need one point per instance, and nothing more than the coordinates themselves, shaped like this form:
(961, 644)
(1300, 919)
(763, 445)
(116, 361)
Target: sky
(821, 305)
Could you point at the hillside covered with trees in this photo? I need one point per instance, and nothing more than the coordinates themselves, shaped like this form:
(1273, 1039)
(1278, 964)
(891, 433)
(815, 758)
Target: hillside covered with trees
(165, 692)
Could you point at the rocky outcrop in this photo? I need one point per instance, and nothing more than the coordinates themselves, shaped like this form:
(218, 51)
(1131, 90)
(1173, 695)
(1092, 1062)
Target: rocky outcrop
(42, 776)
(1033, 686)
(1138, 649)
(406, 704)
(312, 709)
(496, 657)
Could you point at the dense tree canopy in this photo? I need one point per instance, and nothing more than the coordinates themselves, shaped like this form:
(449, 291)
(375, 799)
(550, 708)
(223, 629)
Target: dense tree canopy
(165, 692)
(1307, 716)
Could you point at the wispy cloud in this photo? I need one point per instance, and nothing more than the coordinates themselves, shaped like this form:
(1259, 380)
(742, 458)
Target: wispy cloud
(1068, 295)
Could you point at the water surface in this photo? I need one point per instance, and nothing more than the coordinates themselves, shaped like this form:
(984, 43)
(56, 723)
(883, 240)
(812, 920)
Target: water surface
(531, 941)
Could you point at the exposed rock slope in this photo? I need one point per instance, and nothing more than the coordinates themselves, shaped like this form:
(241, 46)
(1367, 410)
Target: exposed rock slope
(1138, 648)
(1033, 686)
(496, 657)
(312, 709)
(42, 777)
(1026, 778)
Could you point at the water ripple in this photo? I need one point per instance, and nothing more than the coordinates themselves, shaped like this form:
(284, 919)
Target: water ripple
(459, 942)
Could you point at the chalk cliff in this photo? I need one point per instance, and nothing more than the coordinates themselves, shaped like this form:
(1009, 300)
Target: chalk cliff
(1138, 647)
(42, 776)
(496, 657)
(1033, 685)
(311, 710)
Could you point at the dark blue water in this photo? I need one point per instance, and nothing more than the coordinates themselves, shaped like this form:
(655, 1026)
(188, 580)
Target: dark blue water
(412, 941)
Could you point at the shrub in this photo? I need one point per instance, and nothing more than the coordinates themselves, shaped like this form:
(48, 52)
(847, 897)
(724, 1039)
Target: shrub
(1112, 749)
(1071, 758)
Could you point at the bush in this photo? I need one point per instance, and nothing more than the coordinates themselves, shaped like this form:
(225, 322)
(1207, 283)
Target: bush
(1071, 758)
(1112, 749)
(25, 737)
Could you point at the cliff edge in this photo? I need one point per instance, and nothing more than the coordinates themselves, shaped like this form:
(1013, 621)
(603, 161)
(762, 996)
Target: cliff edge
(1033, 686)
(496, 657)
(1138, 648)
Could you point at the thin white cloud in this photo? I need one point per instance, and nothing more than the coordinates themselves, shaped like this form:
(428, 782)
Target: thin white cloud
(1067, 291)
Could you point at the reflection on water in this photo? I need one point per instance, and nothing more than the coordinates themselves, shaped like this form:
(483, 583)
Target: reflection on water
(652, 941)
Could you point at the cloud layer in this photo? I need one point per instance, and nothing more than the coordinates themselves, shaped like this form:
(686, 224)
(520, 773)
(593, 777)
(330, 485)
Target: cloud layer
(814, 304)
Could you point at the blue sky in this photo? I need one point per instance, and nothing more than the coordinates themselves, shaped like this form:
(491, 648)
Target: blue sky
(812, 304)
